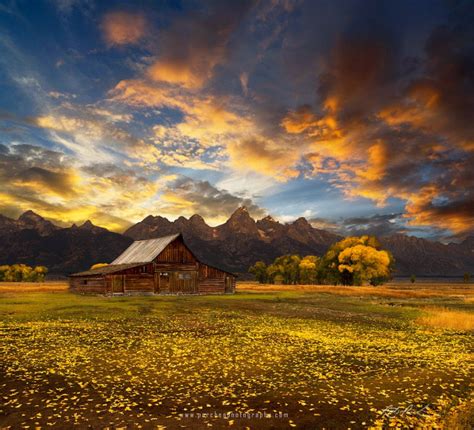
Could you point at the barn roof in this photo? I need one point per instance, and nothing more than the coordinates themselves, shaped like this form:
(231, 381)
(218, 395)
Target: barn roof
(144, 251)
(107, 269)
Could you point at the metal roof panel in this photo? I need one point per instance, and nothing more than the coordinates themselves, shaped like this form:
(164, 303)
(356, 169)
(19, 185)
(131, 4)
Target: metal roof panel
(144, 251)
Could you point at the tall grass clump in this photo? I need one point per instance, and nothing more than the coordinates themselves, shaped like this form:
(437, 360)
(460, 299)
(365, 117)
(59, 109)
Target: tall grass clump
(447, 319)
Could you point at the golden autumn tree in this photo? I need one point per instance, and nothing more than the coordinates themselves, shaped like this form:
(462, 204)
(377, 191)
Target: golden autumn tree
(352, 272)
(309, 269)
(365, 263)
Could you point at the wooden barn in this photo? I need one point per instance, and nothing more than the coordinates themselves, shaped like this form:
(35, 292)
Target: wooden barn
(157, 266)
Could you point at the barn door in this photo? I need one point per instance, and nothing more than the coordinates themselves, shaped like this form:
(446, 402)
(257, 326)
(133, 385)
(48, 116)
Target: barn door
(228, 284)
(164, 282)
(117, 284)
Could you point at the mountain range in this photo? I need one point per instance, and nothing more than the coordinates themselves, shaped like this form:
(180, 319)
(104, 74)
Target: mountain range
(234, 245)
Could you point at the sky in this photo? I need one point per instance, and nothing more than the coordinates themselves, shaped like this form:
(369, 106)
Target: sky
(358, 115)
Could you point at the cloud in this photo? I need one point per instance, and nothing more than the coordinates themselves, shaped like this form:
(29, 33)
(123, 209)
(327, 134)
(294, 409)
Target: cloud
(440, 100)
(264, 157)
(391, 133)
(67, 6)
(52, 184)
(251, 94)
(375, 225)
(206, 118)
(186, 196)
(34, 170)
(94, 132)
(196, 43)
(123, 28)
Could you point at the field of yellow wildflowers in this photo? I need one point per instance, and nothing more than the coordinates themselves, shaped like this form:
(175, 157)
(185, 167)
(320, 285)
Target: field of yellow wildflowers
(258, 359)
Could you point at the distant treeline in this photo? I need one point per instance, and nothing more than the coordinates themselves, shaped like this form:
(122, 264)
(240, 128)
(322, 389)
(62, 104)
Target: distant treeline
(22, 273)
(352, 261)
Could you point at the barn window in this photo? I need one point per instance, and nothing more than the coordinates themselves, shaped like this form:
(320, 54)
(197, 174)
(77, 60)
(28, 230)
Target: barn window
(184, 276)
(163, 273)
(143, 269)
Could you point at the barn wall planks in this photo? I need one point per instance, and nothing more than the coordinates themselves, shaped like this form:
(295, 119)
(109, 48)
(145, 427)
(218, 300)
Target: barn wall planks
(209, 286)
(90, 285)
(176, 252)
(139, 283)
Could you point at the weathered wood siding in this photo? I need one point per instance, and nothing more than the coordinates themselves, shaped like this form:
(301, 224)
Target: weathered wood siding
(176, 252)
(88, 285)
(142, 283)
(215, 281)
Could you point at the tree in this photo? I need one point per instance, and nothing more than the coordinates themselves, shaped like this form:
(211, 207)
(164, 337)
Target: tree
(22, 273)
(287, 266)
(467, 278)
(352, 261)
(273, 271)
(98, 265)
(259, 270)
(40, 273)
(329, 266)
(3, 272)
(412, 279)
(309, 269)
(333, 271)
(364, 264)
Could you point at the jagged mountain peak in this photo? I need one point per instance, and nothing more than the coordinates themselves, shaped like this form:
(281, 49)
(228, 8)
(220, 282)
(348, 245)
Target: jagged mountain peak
(198, 220)
(240, 222)
(32, 221)
(302, 222)
(30, 215)
(240, 212)
(88, 225)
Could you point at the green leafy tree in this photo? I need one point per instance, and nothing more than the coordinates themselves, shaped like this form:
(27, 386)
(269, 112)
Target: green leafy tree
(274, 271)
(467, 278)
(288, 268)
(412, 279)
(259, 270)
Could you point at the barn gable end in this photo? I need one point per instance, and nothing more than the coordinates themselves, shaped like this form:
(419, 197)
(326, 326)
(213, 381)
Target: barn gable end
(164, 265)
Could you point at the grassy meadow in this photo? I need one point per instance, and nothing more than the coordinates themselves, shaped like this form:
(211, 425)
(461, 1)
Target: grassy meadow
(268, 357)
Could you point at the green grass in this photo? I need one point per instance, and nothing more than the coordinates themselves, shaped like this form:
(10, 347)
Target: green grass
(324, 360)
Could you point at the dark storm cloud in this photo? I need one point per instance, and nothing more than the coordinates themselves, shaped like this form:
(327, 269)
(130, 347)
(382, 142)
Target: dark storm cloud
(208, 201)
(35, 167)
(376, 225)
(197, 42)
(443, 97)
(398, 122)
